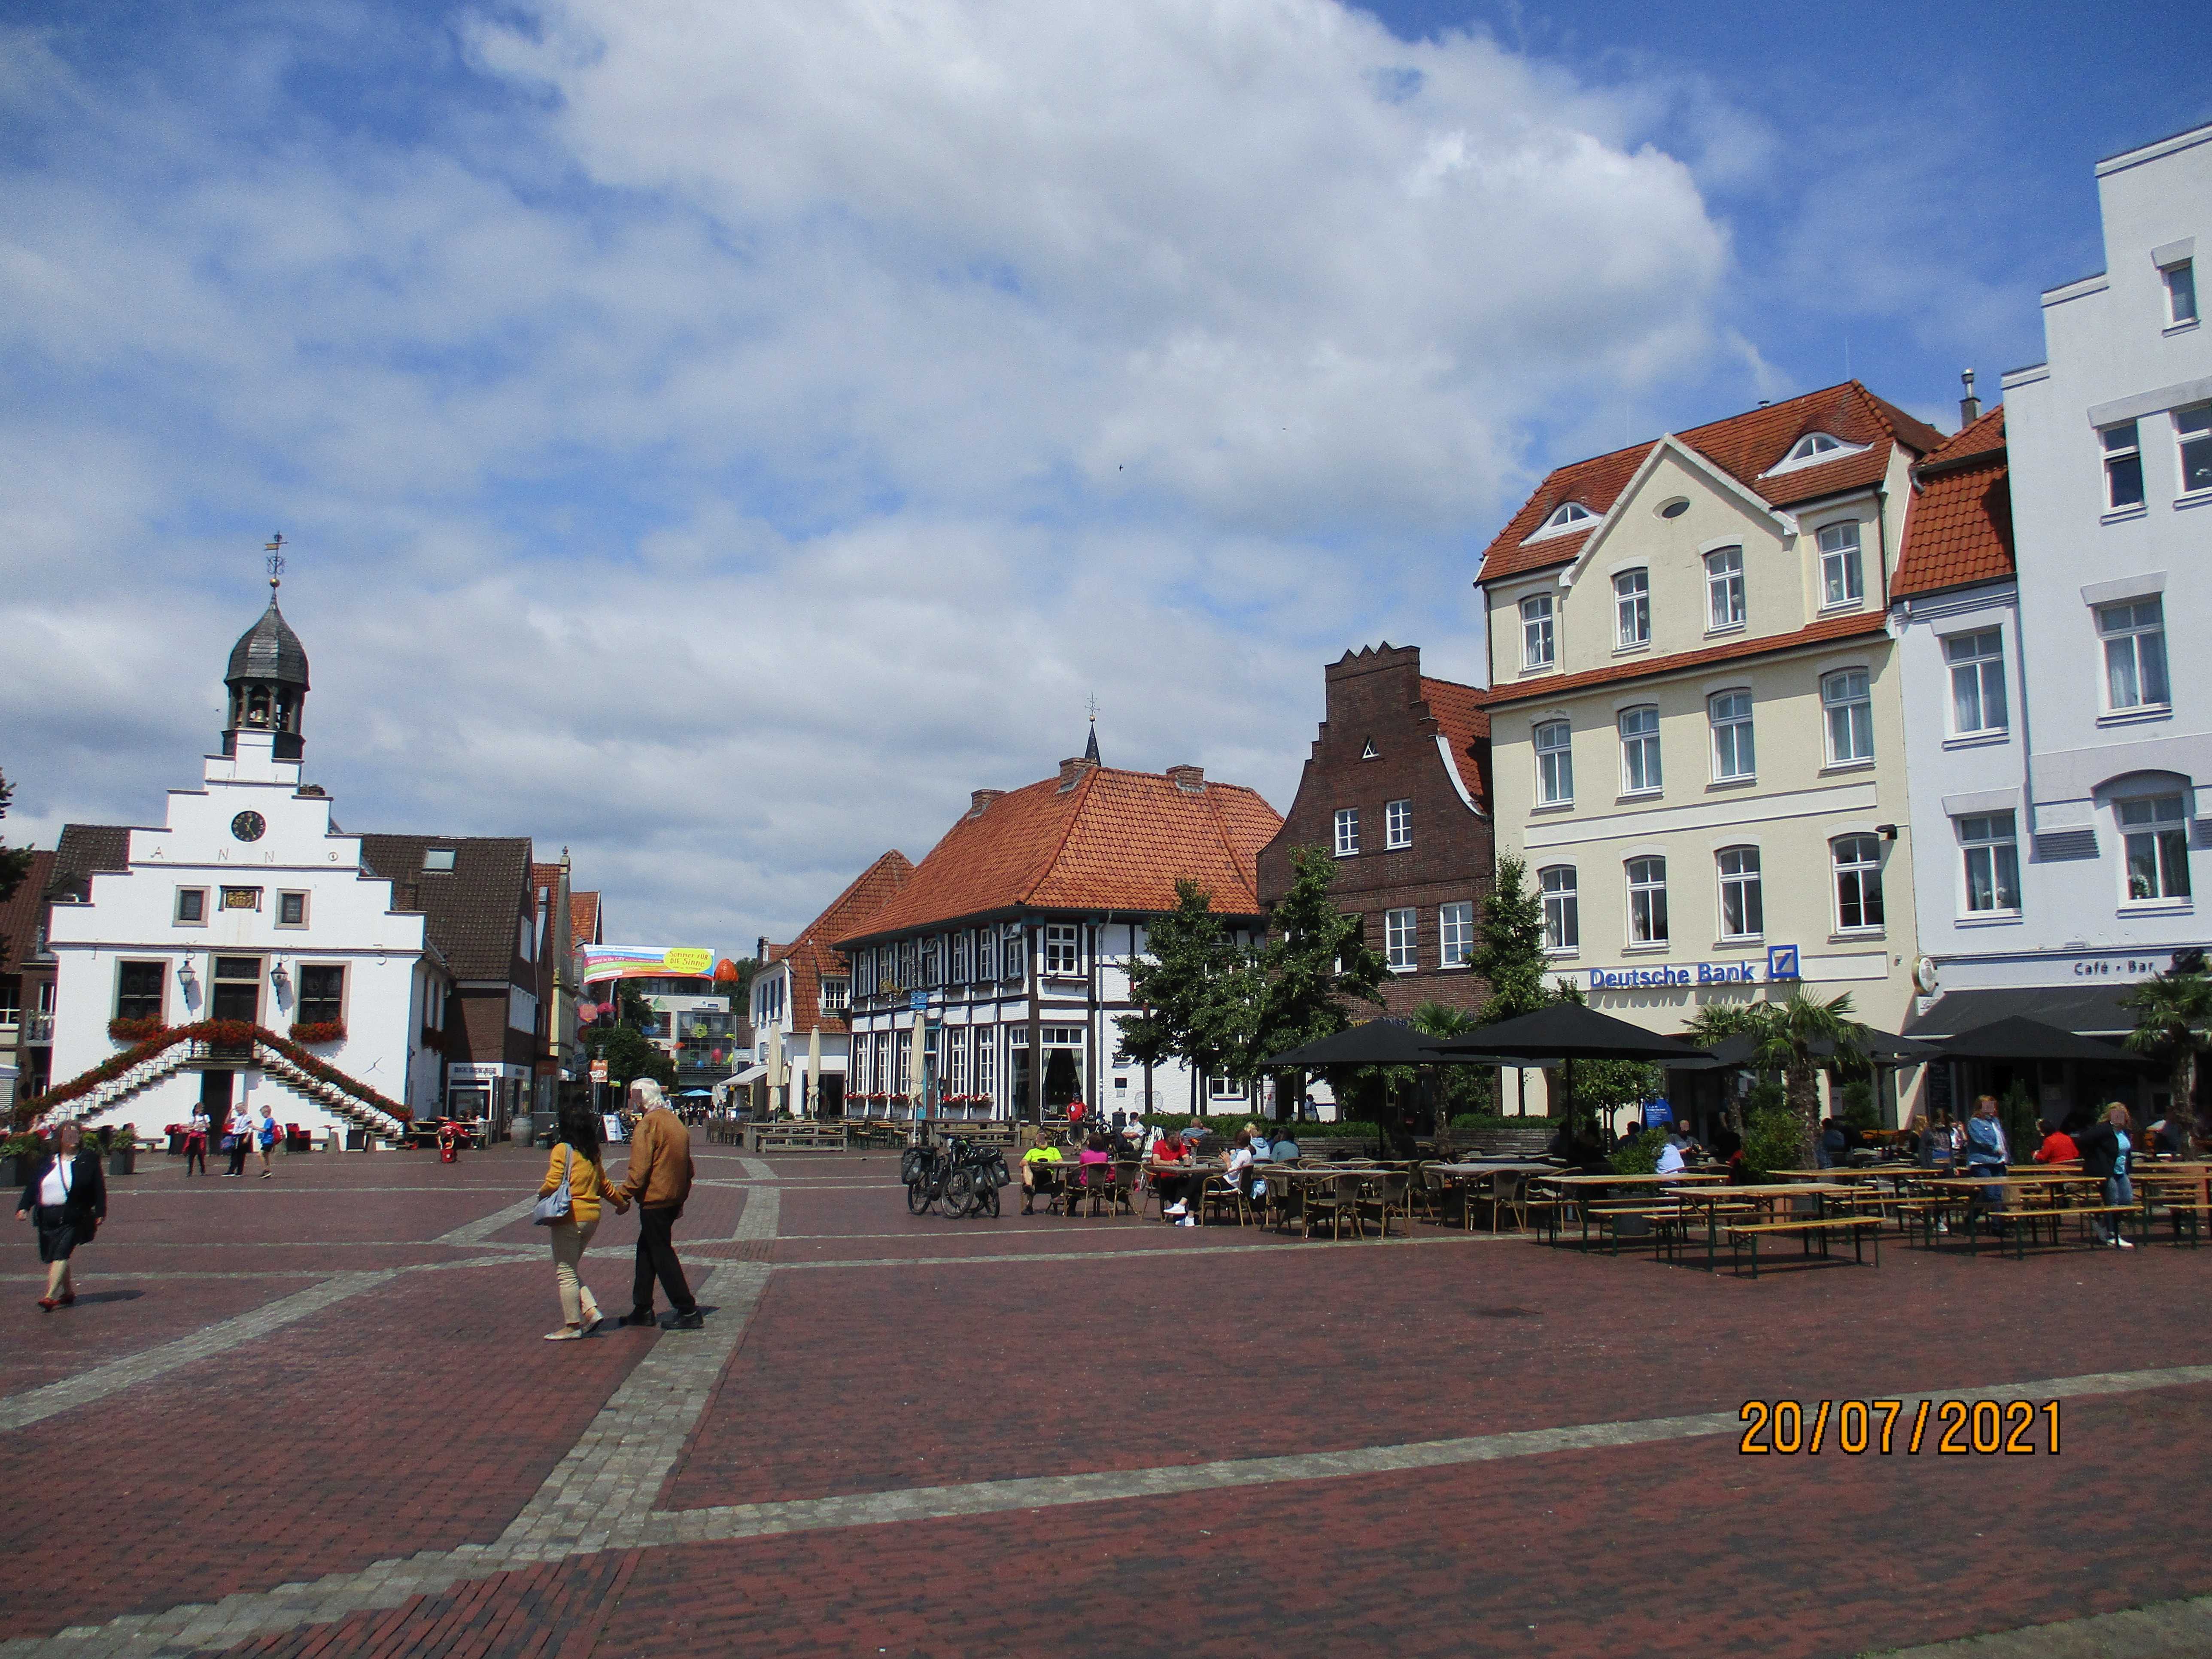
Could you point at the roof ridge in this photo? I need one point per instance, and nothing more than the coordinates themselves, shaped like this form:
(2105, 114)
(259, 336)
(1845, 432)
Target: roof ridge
(1082, 793)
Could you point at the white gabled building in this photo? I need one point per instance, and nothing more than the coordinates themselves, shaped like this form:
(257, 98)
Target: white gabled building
(2061, 759)
(247, 903)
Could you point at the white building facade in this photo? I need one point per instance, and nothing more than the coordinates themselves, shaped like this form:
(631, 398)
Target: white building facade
(247, 904)
(2059, 848)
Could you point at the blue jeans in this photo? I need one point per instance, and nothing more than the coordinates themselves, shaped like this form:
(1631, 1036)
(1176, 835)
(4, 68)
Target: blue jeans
(2118, 1189)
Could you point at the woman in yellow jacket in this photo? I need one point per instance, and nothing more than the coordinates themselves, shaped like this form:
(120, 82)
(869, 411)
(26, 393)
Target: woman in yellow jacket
(576, 1156)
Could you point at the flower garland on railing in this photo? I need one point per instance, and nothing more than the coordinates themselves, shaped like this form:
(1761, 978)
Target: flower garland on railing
(125, 1029)
(217, 1033)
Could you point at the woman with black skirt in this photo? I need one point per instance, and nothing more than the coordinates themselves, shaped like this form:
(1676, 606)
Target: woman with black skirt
(66, 1200)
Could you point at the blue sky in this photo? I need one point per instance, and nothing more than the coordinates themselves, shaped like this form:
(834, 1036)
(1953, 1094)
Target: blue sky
(717, 441)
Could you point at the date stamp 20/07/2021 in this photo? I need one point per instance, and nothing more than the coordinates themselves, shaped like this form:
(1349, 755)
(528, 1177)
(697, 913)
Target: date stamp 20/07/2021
(1950, 1428)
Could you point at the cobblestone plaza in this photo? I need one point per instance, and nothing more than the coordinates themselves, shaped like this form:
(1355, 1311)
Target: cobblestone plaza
(313, 1415)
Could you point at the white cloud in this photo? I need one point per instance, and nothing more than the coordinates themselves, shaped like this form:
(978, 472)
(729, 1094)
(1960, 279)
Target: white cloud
(751, 428)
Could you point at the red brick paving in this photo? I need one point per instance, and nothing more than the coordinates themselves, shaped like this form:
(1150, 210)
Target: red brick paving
(126, 1318)
(924, 1375)
(418, 1419)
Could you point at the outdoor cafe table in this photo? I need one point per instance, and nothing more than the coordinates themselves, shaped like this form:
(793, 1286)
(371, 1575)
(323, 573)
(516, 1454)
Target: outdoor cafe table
(1469, 1177)
(1569, 1184)
(2049, 1180)
(1765, 1195)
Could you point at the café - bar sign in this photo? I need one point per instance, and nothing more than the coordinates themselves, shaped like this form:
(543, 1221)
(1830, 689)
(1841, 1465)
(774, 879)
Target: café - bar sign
(1781, 965)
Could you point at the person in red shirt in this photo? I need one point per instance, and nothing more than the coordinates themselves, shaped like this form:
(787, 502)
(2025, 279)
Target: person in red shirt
(1175, 1191)
(2057, 1147)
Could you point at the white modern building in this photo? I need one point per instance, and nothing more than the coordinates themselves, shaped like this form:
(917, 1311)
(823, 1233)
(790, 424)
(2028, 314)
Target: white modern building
(2059, 739)
(247, 905)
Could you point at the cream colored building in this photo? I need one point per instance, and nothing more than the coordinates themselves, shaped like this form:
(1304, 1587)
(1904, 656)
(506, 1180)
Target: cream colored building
(1696, 719)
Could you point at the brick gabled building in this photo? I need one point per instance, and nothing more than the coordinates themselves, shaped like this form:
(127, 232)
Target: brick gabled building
(1397, 790)
(26, 985)
(806, 986)
(1013, 937)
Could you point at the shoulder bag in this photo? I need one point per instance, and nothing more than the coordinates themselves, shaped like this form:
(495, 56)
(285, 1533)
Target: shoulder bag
(555, 1207)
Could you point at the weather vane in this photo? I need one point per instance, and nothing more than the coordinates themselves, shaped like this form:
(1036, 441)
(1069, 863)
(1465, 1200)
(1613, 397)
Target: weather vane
(1090, 708)
(276, 560)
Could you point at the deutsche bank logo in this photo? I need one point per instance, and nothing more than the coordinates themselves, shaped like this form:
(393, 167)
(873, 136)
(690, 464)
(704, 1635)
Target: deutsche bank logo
(1782, 961)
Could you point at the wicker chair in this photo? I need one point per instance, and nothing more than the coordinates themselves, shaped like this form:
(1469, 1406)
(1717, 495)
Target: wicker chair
(1336, 1200)
(1384, 1195)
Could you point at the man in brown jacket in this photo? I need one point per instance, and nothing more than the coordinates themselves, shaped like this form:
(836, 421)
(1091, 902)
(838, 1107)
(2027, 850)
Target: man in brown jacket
(659, 1181)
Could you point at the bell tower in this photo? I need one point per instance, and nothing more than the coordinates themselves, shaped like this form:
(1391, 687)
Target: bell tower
(268, 676)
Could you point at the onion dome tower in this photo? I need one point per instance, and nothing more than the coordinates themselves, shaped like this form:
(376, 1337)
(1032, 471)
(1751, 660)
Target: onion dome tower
(268, 676)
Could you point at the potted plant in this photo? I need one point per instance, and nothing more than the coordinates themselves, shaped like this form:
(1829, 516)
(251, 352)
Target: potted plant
(122, 1150)
(18, 1155)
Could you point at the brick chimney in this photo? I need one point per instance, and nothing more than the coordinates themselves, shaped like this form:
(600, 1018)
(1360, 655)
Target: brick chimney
(980, 799)
(1191, 780)
(1071, 770)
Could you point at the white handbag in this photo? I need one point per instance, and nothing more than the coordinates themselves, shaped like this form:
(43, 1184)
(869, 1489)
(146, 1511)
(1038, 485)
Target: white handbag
(554, 1206)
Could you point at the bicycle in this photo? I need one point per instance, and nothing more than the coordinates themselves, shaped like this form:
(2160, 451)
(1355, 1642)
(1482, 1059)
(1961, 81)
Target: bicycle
(964, 1178)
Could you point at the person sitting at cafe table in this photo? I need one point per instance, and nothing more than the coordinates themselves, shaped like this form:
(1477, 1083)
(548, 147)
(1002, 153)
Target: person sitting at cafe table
(1835, 1146)
(1671, 1158)
(1175, 1190)
(2057, 1146)
(1239, 1159)
(1285, 1145)
(1047, 1153)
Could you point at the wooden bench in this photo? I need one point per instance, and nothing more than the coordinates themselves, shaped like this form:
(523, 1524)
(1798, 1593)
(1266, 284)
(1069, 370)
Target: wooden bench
(1808, 1228)
(1610, 1214)
(772, 1136)
(2055, 1214)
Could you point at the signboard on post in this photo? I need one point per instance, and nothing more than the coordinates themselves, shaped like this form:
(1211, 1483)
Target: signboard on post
(917, 1001)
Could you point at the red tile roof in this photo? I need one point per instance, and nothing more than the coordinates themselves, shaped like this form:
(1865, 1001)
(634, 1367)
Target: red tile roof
(584, 919)
(1464, 722)
(813, 954)
(1835, 628)
(1744, 447)
(1098, 838)
(1959, 529)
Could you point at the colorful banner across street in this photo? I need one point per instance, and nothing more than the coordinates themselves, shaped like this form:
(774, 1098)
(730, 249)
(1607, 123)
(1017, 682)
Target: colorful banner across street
(604, 962)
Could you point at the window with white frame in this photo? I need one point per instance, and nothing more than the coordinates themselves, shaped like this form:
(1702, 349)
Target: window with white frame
(1647, 901)
(1455, 933)
(2192, 431)
(1724, 589)
(1568, 516)
(964, 957)
(1842, 580)
(2124, 477)
(1991, 846)
(1743, 908)
(2155, 832)
(2180, 292)
(1348, 831)
(2134, 654)
(1733, 755)
(1537, 641)
(1640, 751)
(958, 1044)
(987, 1060)
(1400, 945)
(1978, 684)
(1014, 952)
(1219, 1087)
(1813, 447)
(987, 954)
(835, 995)
(1555, 763)
(1063, 949)
(1632, 607)
(1398, 824)
(1850, 708)
(1858, 861)
(1563, 917)
(933, 958)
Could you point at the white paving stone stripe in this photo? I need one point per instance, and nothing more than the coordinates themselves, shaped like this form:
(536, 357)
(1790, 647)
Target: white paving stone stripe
(574, 1513)
(35, 1405)
(764, 1210)
(757, 1169)
(476, 1232)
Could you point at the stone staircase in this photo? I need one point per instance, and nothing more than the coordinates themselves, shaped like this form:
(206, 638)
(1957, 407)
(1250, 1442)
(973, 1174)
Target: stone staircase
(183, 1056)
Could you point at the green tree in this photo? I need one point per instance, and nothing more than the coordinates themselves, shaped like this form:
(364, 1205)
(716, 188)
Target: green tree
(1188, 985)
(2173, 1019)
(629, 1055)
(1606, 1085)
(1511, 959)
(1315, 964)
(1454, 1089)
(15, 861)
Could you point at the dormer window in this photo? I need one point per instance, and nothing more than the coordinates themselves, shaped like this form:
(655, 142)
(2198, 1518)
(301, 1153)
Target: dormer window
(1814, 449)
(438, 858)
(1566, 518)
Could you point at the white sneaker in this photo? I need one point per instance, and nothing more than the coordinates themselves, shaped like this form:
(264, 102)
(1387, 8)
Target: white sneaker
(1177, 1208)
(2122, 1244)
(1187, 1221)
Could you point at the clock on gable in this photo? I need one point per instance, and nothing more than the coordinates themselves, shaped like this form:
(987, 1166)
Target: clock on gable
(248, 826)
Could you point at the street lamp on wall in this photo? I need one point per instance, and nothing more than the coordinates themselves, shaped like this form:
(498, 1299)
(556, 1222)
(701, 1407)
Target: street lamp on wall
(186, 982)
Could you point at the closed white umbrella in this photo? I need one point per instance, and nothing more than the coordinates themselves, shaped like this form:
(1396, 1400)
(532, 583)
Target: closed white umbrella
(776, 1078)
(917, 1067)
(814, 1072)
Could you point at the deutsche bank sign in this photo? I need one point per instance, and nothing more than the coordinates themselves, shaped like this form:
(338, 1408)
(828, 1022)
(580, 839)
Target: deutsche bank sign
(1688, 973)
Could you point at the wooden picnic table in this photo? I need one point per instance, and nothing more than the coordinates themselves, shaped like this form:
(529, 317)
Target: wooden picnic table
(1763, 1195)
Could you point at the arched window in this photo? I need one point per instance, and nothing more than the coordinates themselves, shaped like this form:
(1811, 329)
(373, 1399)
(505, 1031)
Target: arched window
(1743, 907)
(1568, 514)
(1812, 447)
(1563, 921)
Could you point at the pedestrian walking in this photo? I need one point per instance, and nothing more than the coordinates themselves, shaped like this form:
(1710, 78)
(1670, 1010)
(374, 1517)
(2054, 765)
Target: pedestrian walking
(1987, 1154)
(66, 1200)
(237, 1131)
(2105, 1146)
(657, 1181)
(266, 1134)
(575, 1160)
(196, 1134)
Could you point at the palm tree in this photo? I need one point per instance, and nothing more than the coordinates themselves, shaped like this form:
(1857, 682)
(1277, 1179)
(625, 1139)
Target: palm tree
(1796, 1038)
(2173, 1015)
(1437, 1020)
